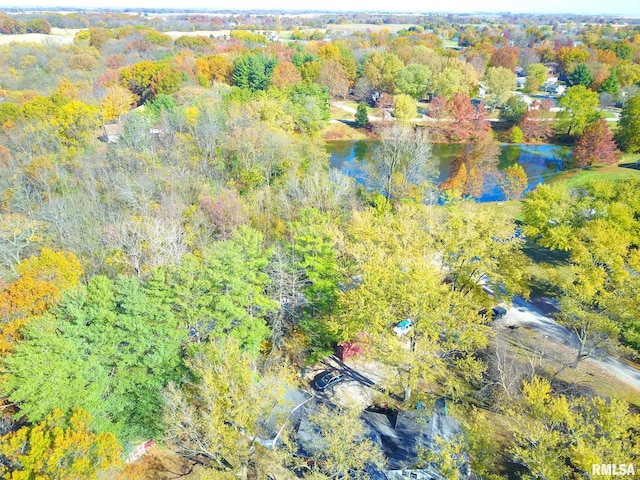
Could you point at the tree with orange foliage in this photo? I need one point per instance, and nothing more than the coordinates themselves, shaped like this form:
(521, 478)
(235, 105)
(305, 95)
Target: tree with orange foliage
(59, 447)
(506, 57)
(285, 74)
(40, 284)
(214, 68)
(469, 121)
(596, 146)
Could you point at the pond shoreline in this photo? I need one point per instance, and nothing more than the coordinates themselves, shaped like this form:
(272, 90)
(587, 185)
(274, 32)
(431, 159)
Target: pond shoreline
(542, 162)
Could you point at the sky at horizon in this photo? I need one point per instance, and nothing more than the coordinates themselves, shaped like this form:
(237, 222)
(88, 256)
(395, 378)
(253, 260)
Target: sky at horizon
(591, 7)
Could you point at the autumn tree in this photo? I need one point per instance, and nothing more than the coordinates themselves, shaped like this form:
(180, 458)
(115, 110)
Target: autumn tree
(506, 57)
(456, 77)
(595, 225)
(535, 125)
(41, 282)
(38, 25)
(478, 161)
(404, 108)
(117, 101)
(344, 449)
(570, 435)
(513, 182)
(470, 122)
(596, 146)
(393, 256)
(380, 69)
(333, 76)
(74, 123)
(214, 68)
(218, 419)
(284, 74)
(59, 446)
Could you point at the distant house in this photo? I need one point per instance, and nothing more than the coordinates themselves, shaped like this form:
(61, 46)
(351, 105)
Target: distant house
(111, 132)
(521, 81)
(552, 67)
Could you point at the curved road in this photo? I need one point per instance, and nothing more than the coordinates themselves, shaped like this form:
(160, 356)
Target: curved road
(526, 314)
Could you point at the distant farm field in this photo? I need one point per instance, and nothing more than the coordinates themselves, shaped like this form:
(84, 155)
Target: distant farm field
(363, 27)
(198, 33)
(61, 36)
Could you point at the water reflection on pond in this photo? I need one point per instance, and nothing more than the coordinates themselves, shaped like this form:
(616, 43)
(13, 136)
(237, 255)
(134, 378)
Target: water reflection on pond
(542, 163)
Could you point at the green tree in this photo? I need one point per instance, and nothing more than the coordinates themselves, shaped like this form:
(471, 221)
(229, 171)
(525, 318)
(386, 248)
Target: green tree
(222, 294)
(362, 118)
(536, 75)
(628, 132)
(108, 349)
(513, 110)
(413, 80)
(516, 135)
(579, 109)
(253, 71)
(611, 84)
(581, 75)
(500, 82)
(58, 447)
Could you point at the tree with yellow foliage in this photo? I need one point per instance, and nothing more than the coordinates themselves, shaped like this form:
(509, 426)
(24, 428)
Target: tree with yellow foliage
(41, 282)
(58, 448)
(117, 101)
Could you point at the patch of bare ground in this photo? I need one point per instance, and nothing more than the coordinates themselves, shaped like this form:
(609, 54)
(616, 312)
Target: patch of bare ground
(537, 353)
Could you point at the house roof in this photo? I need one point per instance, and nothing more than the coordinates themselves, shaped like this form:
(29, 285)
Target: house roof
(112, 129)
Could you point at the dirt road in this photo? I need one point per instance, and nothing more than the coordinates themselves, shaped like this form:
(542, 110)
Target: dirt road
(523, 313)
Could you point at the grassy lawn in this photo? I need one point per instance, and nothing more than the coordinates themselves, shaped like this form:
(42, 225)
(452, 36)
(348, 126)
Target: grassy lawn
(336, 113)
(342, 131)
(449, 44)
(511, 208)
(613, 172)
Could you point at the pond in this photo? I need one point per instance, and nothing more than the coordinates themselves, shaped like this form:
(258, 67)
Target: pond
(542, 163)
